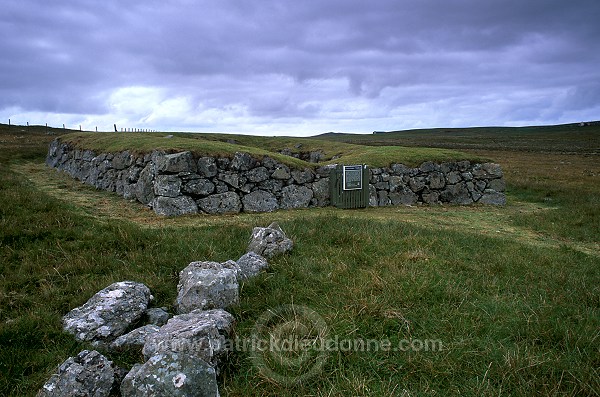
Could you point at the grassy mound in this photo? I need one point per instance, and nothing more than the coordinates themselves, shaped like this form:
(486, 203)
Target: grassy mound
(226, 145)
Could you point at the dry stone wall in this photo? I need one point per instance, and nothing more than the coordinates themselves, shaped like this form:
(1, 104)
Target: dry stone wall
(181, 183)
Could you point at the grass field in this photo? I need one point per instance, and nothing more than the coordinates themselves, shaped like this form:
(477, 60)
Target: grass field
(512, 293)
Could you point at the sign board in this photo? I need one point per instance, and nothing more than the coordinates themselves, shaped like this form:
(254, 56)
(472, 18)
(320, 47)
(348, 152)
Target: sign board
(352, 177)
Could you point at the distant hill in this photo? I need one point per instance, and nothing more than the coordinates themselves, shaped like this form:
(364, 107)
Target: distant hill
(564, 138)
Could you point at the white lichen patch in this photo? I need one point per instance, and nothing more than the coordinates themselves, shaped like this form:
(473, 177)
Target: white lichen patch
(179, 380)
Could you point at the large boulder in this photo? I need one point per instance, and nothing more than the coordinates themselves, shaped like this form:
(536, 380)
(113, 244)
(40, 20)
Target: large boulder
(107, 314)
(260, 201)
(250, 265)
(221, 203)
(88, 374)
(173, 206)
(269, 241)
(295, 196)
(200, 334)
(207, 285)
(321, 192)
(171, 374)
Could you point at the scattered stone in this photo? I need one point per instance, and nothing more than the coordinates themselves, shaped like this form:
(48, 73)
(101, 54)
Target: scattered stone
(250, 265)
(107, 314)
(269, 241)
(171, 374)
(199, 334)
(207, 285)
(88, 374)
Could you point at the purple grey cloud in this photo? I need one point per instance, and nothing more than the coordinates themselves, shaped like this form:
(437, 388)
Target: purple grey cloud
(299, 67)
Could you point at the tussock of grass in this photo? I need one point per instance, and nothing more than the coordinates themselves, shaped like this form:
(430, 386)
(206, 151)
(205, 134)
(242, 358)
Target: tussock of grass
(217, 145)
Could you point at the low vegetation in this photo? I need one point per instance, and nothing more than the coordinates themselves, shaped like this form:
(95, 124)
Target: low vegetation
(220, 145)
(512, 293)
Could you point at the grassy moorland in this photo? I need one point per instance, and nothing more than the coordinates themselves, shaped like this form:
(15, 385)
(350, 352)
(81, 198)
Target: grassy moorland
(512, 293)
(566, 138)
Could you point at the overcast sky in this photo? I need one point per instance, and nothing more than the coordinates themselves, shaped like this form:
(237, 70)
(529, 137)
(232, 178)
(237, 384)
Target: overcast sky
(298, 67)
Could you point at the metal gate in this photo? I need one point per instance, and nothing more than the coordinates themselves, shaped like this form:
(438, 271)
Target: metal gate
(349, 186)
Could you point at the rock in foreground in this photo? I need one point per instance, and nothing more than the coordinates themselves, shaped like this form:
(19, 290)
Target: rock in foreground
(107, 314)
(269, 241)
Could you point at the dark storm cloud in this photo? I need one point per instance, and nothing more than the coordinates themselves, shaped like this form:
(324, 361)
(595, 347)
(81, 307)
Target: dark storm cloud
(392, 63)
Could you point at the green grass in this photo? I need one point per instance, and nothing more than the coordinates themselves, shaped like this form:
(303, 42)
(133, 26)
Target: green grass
(512, 293)
(204, 144)
(570, 138)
